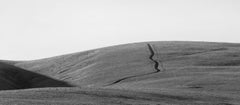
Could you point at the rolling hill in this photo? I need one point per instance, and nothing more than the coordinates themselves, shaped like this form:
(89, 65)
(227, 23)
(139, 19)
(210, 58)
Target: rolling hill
(148, 73)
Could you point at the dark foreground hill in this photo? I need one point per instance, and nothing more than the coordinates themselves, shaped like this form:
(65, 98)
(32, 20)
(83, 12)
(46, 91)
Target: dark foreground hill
(151, 73)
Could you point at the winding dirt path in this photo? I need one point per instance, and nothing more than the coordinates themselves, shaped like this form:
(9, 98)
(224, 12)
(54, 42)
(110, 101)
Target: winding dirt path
(156, 67)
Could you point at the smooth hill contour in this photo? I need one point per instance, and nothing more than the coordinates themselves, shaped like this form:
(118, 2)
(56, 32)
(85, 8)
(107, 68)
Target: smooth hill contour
(152, 73)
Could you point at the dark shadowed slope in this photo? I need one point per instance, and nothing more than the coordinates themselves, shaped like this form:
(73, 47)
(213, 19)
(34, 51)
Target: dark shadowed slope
(174, 71)
(12, 77)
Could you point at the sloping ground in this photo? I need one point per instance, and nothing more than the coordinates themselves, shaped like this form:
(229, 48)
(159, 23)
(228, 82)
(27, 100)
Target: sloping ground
(12, 77)
(91, 96)
(175, 73)
(97, 67)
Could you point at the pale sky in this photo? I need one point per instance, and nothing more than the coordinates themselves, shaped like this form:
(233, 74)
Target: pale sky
(34, 29)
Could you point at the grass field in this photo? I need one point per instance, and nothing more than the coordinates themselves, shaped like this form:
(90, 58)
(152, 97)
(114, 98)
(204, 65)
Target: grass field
(149, 73)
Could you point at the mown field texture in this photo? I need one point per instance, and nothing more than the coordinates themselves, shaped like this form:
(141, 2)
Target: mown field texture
(150, 73)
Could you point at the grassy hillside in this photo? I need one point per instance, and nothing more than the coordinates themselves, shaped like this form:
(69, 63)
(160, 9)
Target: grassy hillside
(12, 77)
(175, 73)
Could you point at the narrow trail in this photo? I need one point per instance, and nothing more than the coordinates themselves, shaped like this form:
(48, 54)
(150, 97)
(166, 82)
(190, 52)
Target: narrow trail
(157, 64)
(156, 67)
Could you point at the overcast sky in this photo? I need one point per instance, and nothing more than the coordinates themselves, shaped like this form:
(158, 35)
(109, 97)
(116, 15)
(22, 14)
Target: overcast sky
(33, 29)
